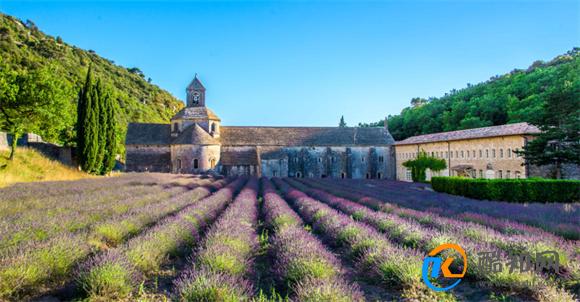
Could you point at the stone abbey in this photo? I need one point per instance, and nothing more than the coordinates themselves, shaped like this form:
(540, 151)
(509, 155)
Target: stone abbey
(196, 142)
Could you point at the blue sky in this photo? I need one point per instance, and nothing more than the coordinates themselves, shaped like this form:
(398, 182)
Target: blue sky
(307, 63)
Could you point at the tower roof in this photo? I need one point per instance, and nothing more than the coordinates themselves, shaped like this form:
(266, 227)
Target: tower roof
(195, 84)
(196, 113)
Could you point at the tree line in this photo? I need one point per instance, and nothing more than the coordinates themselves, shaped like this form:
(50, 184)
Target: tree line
(547, 95)
(30, 101)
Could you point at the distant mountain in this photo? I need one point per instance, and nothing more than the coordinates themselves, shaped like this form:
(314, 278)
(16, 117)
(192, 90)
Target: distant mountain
(518, 96)
(23, 47)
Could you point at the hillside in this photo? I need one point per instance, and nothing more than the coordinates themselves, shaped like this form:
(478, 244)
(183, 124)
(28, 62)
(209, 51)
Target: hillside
(24, 47)
(29, 165)
(518, 96)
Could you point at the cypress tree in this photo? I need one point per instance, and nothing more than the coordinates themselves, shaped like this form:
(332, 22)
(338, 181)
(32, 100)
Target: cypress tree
(101, 120)
(91, 128)
(110, 129)
(82, 109)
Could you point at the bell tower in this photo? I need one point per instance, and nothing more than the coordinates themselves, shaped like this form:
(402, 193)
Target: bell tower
(195, 93)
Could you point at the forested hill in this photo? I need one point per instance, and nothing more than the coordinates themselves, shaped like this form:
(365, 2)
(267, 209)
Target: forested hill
(518, 96)
(24, 47)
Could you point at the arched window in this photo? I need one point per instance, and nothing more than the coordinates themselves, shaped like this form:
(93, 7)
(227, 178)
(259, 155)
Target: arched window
(298, 175)
(500, 153)
(362, 159)
(379, 175)
(342, 175)
(195, 164)
(368, 176)
(213, 127)
(178, 164)
(509, 152)
(381, 159)
(212, 163)
(175, 127)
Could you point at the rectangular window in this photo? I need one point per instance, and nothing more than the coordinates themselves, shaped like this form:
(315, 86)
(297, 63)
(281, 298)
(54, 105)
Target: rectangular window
(508, 174)
(473, 154)
(486, 153)
(500, 153)
(509, 152)
(518, 175)
(456, 154)
(446, 154)
(480, 154)
(499, 174)
(480, 173)
(381, 159)
(493, 153)
(408, 174)
(462, 155)
(451, 154)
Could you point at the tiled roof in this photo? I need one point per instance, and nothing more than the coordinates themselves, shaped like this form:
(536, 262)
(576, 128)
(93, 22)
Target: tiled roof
(195, 135)
(304, 136)
(196, 113)
(493, 131)
(239, 157)
(148, 134)
(142, 134)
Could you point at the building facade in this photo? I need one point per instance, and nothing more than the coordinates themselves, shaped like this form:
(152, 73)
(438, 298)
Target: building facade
(196, 142)
(487, 152)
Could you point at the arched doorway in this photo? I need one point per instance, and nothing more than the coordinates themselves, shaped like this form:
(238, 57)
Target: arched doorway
(212, 163)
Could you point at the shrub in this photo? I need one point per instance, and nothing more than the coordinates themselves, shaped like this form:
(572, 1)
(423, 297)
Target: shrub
(511, 190)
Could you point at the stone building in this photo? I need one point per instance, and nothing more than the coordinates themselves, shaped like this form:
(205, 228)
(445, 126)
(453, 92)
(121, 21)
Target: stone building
(196, 142)
(478, 153)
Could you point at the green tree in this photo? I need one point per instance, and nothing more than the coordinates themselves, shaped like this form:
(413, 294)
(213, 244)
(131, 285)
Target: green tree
(88, 126)
(31, 101)
(111, 133)
(559, 142)
(342, 123)
(423, 162)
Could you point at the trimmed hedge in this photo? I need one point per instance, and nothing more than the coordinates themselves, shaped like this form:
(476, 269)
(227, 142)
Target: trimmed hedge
(511, 190)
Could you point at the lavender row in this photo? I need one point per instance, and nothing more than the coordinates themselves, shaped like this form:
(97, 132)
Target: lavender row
(116, 230)
(561, 219)
(221, 268)
(516, 219)
(375, 257)
(46, 265)
(117, 273)
(26, 234)
(302, 263)
(412, 234)
(22, 199)
(78, 213)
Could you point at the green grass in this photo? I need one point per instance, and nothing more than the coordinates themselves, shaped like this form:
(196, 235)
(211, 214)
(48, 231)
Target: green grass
(29, 166)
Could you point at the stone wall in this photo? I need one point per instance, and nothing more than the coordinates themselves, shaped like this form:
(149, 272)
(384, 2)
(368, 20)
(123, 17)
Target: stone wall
(183, 158)
(334, 162)
(3, 141)
(148, 158)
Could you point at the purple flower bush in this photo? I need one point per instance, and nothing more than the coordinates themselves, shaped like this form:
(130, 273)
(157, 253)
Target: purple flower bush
(80, 213)
(301, 262)
(561, 219)
(221, 266)
(150, 250)
(429, 231)
(376, 257)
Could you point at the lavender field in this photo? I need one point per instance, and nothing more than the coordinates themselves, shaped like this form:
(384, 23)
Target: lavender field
(159, 237)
